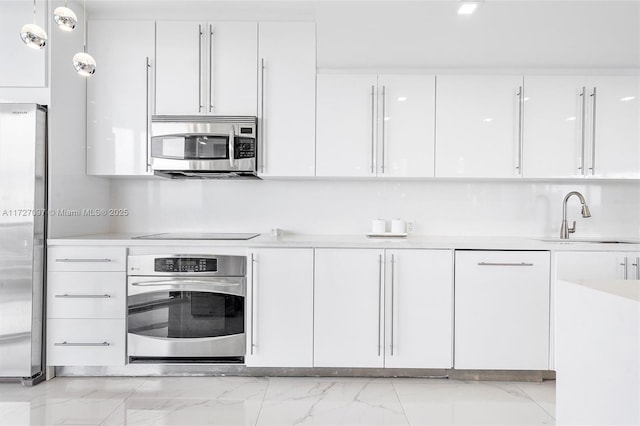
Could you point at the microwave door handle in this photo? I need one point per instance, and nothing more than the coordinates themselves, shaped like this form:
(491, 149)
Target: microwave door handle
(232, 139)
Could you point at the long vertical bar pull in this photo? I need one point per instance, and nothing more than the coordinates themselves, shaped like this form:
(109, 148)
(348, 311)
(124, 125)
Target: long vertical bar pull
(373, 123)
(393, 290)
(593, 135)
(379, 303)
(583, 136)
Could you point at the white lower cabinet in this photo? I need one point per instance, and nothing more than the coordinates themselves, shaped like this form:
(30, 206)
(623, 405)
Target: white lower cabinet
(419, 313)
(348, 308)
(502, 310)
(86, 295)
(86, 342)
(377, 308)
(280, 306)
(86, 306)
(597, 265)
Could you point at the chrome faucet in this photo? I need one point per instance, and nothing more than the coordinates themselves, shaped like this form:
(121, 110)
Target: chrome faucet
(564, 229)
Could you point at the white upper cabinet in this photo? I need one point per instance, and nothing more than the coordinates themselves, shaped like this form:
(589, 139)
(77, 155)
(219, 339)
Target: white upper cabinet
(406, 120)
(554, 126)
(345, 137)
(119, 97)
(206, 68)
(280, 302)
(578, 126)
(372, 125)
(478, 125)
(614, 147)
(287, 86)
(348, 308)
(22, 66)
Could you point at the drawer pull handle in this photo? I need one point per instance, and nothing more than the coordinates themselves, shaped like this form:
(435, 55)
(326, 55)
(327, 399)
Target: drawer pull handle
(84, 260)
(504, 264)
(82, 344)
(83, 296)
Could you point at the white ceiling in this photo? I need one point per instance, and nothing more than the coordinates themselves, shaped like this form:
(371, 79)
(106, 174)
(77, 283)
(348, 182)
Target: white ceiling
(429, 33)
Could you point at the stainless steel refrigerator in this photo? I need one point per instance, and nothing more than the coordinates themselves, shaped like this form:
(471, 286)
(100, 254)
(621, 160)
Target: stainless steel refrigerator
(23, 218)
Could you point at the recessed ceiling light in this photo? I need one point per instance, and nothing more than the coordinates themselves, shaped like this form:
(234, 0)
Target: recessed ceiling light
(571, 118)
(627, 99)
(467, 8)
(487, 120)
(402, 98)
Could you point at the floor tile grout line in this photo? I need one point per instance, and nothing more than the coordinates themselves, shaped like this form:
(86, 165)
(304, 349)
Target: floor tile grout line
(112, 412)
(393, 386)
(264, 396)
(535, 401)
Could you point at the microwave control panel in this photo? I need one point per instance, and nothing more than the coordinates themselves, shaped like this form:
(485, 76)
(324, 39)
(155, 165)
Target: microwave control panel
(245, 148)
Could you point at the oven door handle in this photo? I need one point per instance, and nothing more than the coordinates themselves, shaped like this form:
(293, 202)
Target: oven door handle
(232, 141)
(183, 283)
(235, 288)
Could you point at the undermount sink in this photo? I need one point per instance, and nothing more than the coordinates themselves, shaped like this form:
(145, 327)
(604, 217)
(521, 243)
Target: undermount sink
(590, 240)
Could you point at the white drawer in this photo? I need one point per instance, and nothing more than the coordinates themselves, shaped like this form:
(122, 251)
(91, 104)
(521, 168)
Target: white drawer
(82, 258)
(86, 342)
(86, 295)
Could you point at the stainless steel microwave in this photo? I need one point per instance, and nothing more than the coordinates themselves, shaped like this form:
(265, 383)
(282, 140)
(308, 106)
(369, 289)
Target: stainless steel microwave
(204, 147)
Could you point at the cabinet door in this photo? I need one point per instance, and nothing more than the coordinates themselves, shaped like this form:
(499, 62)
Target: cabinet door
(86, 342)
(179, 68)
(633, 266)
(22, 66)
(593, 265)
(86, 258)
(230, 68)
(407, 121)
(502, 310)
(280, 297)
(118, 97)
(477, 126)
(345, 143)
(86, 294)
(554, 126)
(419, 309)
(615, 126)
(288, 98)
(348, 308)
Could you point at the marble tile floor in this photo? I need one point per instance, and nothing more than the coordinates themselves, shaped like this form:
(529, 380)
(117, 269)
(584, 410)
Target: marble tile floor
(275, 401)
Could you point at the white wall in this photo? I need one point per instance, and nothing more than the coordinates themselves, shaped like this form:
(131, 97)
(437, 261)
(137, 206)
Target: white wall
(347, 207)
(69, 187)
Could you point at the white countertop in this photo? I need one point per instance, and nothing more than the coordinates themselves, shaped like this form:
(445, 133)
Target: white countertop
(629, 289)
(351, 241)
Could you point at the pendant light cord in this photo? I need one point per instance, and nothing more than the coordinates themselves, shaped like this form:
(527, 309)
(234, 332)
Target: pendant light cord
(34, 12)
(84, 44)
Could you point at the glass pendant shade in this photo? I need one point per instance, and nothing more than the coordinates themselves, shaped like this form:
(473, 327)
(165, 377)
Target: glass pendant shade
(84, 64)
(65, 18)
(33, 36)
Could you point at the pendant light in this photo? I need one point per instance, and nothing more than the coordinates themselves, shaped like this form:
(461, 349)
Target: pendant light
(65, 18)
(33, 35)
(84, 63)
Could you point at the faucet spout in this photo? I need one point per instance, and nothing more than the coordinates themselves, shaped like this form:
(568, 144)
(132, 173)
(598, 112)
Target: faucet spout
(565, 229)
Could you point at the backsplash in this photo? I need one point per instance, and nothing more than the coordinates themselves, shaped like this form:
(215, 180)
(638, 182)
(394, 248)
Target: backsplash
(347, 207)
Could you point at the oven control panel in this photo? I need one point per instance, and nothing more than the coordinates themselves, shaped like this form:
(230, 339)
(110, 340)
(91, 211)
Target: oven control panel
(185, 264)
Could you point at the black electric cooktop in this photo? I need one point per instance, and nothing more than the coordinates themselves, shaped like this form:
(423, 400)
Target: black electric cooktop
(198, 236)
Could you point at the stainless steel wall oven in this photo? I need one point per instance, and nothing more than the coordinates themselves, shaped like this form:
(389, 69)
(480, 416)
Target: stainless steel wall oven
(186, 308)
